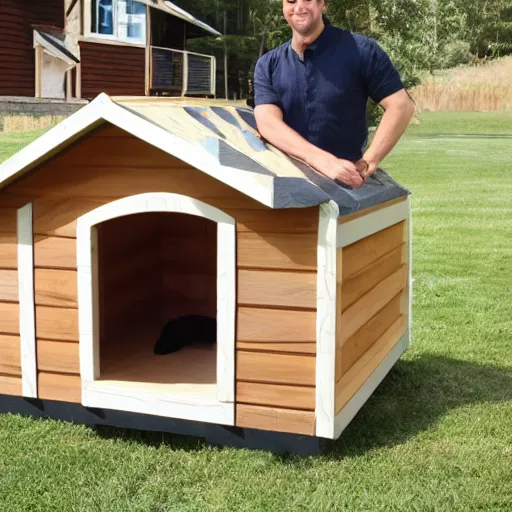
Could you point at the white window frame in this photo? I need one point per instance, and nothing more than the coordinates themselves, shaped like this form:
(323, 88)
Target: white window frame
(89, 32)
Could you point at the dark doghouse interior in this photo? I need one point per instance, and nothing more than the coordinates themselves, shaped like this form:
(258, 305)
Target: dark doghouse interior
(154, 267)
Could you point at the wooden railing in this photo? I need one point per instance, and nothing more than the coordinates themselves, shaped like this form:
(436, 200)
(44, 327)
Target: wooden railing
(181, 73)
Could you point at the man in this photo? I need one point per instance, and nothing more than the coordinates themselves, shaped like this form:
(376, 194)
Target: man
(311, 95)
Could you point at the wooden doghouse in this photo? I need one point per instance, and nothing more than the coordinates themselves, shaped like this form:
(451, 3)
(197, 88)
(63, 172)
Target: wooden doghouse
(136, 210)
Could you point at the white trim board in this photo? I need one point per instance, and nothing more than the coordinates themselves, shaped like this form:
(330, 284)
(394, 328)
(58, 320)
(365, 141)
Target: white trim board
(96, 393)
(326, 319)
(357, 229)
(347, 414)
(27, 317)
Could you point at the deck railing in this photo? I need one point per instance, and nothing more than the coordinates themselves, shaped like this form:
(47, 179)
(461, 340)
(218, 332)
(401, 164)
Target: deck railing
(180, 73)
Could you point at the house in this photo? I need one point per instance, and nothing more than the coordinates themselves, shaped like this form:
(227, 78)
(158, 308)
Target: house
(135, 210)
(80, 48)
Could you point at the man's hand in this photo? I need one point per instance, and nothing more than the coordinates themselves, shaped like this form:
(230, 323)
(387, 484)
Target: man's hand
(366, 169)
(343, 171)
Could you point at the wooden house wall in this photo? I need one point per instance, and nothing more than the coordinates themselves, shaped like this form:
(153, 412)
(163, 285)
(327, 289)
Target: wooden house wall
(374, 306)
(113, 69)
(276, 277)
(10, 369)
(17, 58)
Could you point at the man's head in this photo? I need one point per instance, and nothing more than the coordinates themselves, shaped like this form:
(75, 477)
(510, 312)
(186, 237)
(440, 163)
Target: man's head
(304, 16)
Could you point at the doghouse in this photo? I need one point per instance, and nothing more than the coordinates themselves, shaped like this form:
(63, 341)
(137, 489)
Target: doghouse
(136, 210)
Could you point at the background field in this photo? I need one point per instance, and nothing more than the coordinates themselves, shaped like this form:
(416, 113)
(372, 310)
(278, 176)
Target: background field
(437, 434)
(483, 88)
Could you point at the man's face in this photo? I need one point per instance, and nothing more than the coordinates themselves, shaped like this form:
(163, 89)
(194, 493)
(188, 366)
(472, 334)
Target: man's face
(303, 16)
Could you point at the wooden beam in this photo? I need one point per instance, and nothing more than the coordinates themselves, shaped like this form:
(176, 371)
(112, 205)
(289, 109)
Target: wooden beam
(78, 83)
(38, 70)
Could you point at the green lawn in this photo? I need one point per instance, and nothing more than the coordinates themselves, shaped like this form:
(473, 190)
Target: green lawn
(436, 435)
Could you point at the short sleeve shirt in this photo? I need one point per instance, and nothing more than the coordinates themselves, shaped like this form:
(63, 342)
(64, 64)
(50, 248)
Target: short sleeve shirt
(324, 95)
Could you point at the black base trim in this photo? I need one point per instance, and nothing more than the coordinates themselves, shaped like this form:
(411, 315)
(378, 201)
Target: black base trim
(216, 435)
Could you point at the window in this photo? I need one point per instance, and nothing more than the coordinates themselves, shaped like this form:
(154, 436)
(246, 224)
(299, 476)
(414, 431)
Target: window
(123, 20)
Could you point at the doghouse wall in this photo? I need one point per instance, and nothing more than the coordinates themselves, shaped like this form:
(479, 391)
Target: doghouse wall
(276, 277)
(374, 306)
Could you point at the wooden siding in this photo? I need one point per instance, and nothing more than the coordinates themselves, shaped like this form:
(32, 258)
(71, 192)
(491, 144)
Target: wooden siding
(10, 365)
(277, 251)
(114, 70)
(373, 306)
(17, 57)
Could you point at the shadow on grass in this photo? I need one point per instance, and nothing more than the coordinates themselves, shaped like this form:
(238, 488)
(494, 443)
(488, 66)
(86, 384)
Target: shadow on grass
(413, 397)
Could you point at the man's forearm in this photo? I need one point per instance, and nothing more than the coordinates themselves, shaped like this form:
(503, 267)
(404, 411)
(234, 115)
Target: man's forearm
(393, 124)
(279, 134)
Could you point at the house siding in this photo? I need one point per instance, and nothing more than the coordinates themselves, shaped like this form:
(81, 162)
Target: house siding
(113, 69)
(17, 59)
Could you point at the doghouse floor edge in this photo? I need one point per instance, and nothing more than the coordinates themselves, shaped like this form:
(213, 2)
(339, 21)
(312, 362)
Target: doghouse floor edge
(215, 435)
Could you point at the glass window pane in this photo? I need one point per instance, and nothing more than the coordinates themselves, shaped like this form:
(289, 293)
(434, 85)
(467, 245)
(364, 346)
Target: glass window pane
(104, 17)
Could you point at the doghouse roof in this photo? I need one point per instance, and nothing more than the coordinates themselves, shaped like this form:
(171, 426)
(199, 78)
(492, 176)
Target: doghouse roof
(216, 137)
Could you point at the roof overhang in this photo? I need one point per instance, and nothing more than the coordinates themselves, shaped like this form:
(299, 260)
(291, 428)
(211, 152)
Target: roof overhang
(175, 10)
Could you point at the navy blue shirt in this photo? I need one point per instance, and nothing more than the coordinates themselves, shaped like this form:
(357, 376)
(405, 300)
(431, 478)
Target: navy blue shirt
(324, 96)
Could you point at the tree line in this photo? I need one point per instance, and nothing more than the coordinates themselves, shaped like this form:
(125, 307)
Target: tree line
(419, 35)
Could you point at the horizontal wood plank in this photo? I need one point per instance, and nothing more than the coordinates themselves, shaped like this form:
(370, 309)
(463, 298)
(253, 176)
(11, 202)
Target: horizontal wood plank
(10, 385)
(64, 388)
(8, 251)
(362, 253)
(276, 395)
(9, 285)
(57, 356)
(55, 287)
(272, 288)
(54, 252)
(57, 323)
(267, 326)
(10, 358)
(9, 318)
(363, 281)
(284, 347)
(370, 304)
(287, 220)
(277, 250)
(8, 220)
(276, 368)
(276, 420)
(58, 216)
(365, 337)
(348, 385)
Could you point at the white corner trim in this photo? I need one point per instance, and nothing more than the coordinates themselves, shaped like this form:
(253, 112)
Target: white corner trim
(27, 302)
(88, 285)
(410, 263)
(347, 414)
(326, 319)
(226, 310)
(365, 226)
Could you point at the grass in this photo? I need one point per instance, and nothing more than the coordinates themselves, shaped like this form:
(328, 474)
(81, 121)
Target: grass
(436, 435)
(485, 87)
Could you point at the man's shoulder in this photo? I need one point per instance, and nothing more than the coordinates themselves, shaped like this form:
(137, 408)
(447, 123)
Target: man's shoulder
(272, 57)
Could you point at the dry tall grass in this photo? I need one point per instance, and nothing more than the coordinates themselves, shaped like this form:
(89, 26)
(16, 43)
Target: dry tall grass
(27, 123)
(486, 87)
